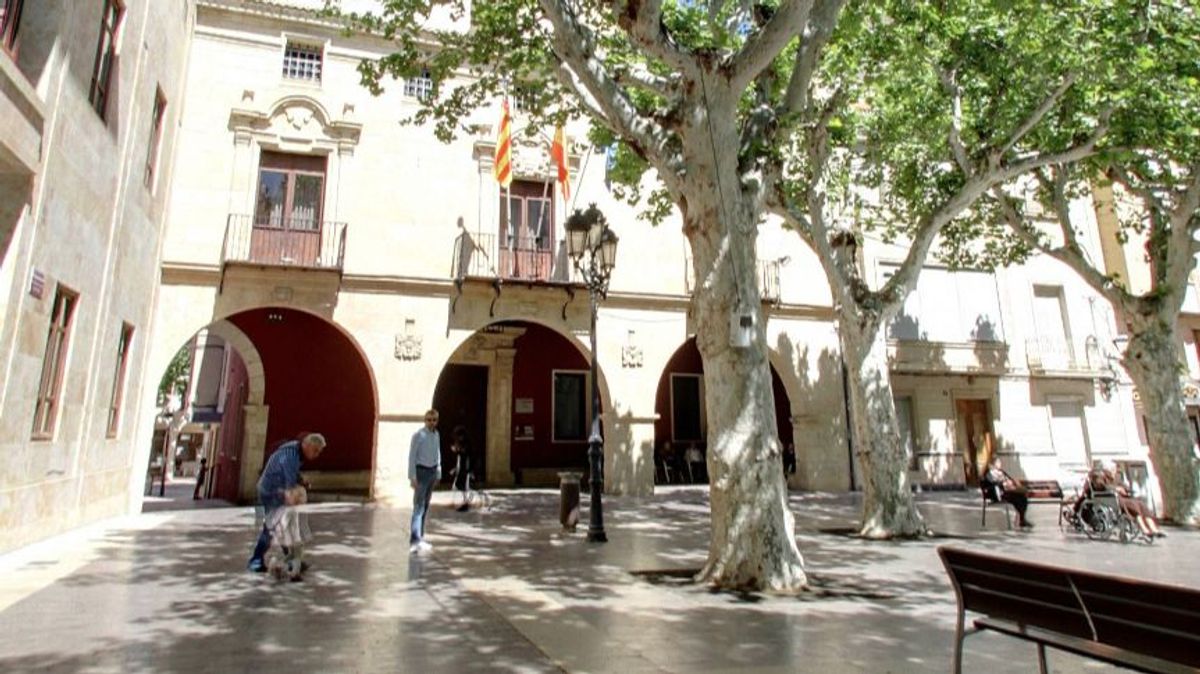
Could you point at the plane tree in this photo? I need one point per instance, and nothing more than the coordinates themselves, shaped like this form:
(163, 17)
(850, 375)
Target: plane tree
(1151, 166)
(741, 110)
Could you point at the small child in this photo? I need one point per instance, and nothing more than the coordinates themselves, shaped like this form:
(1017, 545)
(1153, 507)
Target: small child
(289, 530)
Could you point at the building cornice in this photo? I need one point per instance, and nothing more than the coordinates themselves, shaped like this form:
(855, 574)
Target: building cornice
(188, 273)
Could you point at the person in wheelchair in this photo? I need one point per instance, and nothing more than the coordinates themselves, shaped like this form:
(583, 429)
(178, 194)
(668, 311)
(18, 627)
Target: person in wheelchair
(1134, 508)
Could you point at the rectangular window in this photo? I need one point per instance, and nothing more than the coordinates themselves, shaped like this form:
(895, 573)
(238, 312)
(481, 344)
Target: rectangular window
(53, 362)
(291, 190)
(419, 87)
(687, 408)
(106, 55)
(302, 62)
(948, 306)
(156, 128)
(1054, 344)
(527, 215)
(570, 407)
(118, 390)
(10, 20)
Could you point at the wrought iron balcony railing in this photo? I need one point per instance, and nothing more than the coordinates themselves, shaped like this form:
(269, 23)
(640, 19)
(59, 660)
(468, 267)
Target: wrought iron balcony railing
(285, 242)
(1058, 355)
(533, 260)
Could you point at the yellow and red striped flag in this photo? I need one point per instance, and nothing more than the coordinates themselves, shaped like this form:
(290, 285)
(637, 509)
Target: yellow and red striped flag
(502, 167)
(558, 152)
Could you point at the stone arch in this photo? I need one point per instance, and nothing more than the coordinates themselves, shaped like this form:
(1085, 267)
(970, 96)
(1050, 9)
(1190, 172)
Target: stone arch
(494, 344)
(670, 465)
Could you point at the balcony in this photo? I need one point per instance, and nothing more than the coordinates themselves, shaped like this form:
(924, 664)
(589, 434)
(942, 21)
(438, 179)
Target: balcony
(302, 243)
(21, 121)
(479, 256)
(914, 356)
(768, 279)
(1057, 357)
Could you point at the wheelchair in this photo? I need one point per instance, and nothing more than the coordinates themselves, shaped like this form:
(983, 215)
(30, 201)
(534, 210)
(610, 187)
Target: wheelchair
(1099, 516)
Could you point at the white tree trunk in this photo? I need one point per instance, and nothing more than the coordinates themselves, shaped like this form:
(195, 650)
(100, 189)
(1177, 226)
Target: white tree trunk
(1152, 360)
(888, 507)
(753, 543)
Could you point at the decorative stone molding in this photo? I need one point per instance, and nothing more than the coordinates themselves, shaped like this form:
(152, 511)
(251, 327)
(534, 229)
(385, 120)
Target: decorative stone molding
(631, 353)
(408, 347)
(296, 120)
(631, 356)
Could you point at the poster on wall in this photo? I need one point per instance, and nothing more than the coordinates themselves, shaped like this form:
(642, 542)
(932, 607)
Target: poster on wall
(524, 406)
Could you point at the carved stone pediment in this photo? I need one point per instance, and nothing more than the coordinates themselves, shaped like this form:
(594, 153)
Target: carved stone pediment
(294, 119)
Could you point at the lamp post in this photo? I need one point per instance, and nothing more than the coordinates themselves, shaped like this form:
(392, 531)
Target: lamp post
(592, 247)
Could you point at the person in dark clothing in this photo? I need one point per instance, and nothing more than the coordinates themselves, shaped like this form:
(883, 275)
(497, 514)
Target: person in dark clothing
(201, 472)
(461, 447)
(1000, 486)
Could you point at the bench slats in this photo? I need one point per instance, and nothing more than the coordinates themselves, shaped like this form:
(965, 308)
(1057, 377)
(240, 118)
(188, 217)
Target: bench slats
(1132, 619)
(1086, 647)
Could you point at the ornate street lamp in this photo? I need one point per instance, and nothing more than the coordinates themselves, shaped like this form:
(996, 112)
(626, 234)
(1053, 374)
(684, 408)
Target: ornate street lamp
(592, 247)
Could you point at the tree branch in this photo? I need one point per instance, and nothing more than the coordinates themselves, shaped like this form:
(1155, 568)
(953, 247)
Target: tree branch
(762, 47)
(642, 20)
(950, 84)
(1072, 256)
(575, 45)
(637, 75)
(1038, 114)
(821, 22)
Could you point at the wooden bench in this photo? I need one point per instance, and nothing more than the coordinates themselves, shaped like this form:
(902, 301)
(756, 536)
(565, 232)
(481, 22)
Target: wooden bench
(1148, 627)
(1037, 491)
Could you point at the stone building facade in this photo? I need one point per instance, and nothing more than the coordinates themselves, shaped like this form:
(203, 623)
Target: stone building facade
(90, 98)
(364, 271)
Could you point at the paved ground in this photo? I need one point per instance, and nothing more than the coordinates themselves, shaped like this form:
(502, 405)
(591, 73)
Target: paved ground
(504, 590)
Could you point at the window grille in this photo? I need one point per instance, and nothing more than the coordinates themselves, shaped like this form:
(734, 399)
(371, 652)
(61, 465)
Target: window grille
(419, 87)
(302, 62)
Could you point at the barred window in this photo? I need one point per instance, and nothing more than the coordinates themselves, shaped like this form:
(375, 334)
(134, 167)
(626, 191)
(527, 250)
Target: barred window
(302, 62)
(420, 86)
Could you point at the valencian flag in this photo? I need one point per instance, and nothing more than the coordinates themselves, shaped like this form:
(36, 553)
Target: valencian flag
(558, 152)
(502, 167)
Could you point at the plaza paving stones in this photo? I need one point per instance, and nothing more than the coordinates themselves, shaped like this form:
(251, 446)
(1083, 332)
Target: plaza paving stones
(505, 590)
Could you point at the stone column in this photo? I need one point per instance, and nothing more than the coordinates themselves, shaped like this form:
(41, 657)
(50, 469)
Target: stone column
(254, 445)
(499, 418)
(629, 455)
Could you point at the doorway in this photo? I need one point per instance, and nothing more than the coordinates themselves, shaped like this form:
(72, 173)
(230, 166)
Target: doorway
(288, 209)
(976, 438)
(461, 400)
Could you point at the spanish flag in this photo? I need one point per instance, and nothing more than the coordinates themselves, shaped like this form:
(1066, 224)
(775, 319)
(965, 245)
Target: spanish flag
(558, 152)
(502, 168)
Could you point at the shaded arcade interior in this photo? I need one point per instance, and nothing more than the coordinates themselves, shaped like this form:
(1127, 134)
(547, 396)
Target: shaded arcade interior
(243, 386)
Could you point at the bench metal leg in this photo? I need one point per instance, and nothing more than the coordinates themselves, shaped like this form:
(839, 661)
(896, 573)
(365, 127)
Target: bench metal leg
(958, 643)
(1042, 658)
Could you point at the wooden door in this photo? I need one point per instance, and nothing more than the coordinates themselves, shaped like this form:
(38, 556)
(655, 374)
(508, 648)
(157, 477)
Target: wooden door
(976, 440)
(288, 209)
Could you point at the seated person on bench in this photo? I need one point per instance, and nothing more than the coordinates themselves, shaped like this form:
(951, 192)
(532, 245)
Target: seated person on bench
(1104, 478)
(1000, 486)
